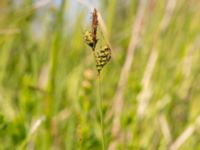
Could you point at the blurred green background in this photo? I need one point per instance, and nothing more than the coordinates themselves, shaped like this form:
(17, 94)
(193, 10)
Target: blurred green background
(48, 79)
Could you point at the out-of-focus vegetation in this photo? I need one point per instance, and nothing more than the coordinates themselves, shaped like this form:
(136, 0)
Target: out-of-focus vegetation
(48, 78)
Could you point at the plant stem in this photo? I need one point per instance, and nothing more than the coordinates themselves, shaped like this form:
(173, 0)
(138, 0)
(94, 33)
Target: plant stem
(100, 111)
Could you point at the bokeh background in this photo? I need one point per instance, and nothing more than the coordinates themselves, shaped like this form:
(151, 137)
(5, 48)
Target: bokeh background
(48, 80)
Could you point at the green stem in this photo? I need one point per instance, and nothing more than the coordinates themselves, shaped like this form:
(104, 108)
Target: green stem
(100, 112)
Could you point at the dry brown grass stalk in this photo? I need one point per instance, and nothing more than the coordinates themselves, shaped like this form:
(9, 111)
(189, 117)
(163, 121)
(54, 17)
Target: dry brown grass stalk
(118, 97)
(118, 102)
(144, 96)
(186, 134)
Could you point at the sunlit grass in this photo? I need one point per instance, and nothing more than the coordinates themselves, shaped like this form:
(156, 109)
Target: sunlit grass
(48, 78)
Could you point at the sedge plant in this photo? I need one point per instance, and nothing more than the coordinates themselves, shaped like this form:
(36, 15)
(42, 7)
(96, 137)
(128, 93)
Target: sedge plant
(102, 57)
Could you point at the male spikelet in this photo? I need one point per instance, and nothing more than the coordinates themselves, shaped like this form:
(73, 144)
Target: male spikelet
(94, 26)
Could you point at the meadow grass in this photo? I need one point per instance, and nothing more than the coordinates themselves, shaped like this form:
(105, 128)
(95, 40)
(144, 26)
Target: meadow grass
(150, 99)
